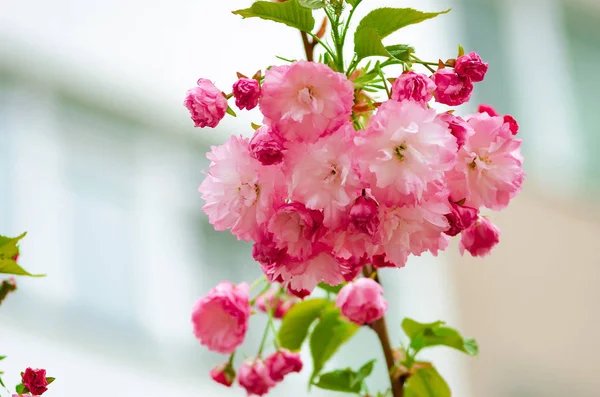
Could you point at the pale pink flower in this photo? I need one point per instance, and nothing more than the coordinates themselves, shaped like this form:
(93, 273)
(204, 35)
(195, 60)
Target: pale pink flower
(220, 318)
(306, 100)
(302, 277)
(480, 238)
(512, 123)
(279, 302)
(412, 86)
(471, 66)
(283, 362)
(246, 93)
(206, 104)
(404, 148)
(223, 374)
(487, 109)
(461, 218)
(458, 127)
(362, 301)
(267, 146)
(451, 89)
(323, 174)
(296, 228)
(254, 376)
(240, 192)
(489, 169)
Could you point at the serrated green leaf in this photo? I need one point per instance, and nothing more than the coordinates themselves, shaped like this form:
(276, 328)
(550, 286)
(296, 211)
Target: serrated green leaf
(329, 288)
(290, 13)
(400, 52)
(50, 379)
(364, 372)
(426, 382)
(345, 380)
(297, 321)
(436, 334)
(331, 332)
(9, 246)
(312, 4)
(353, 3)
(382, 22)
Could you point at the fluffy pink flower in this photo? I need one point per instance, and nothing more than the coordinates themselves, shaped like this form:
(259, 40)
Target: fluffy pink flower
(302, 277)
(246, 93)
(362, 301)
(471, 66)
(364, 215)
(451, 89)
(404, 148)
(296, 228)
(458, 127)
(266, 146)
(323, 174)
(306, 100)
(413, 86)
(480, 238)
(254, 376)
(460, 218)
(487, 109)
(279, 302)
(206, 104)
(283, 362)
(223, 374)
(220, 319)
(512, 124)
(489, 169)
(240, 192)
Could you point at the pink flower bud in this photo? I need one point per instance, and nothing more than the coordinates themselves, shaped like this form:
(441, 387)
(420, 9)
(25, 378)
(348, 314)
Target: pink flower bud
(413, 86)
(220, 319)
(364, 215)
(362, 301)
(471, 66)
(513, 125)
(254, 376)
(480, 238)
(266, 146)
(283, 362)
(35, 381)
(458, 127)
(247, 93)
(460, 218)
(279, 302)
(223, 374)
(451, 89)
(488, 109)
(206, 104)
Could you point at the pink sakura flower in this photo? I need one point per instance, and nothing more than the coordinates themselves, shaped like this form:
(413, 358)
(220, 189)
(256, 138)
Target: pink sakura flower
(306, 100)
(220, 318)
(451, 89)
(412, 86)
(240, 192)
(489, 169)
(223, 374)
(246, 93)
(266, 146)
(458, 127)
(404, 148)
(362, 301)
(206, 104)
(283, 362)
(279, 302)
(254, 376)
(323, 174)
(471, 66)
(480, 238)
(460, 218)
(296, 228)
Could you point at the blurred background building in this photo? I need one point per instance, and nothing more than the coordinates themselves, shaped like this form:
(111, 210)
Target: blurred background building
(99, 162)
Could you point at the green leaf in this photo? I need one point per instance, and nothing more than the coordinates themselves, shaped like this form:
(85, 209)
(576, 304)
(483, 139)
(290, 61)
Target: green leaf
(424, 335)
(255, 126)
(353, 3)
(50, 379)
(2, 358)
(382, 22)
(400, 52)
(21, 389)
(290, 13)
(8, 250)
(332, 331)
(2, 383)
(312, 4)
(331, 289)
(426, 382)
(345, 380)
(231, 112)
(296, 323)
(461, 51)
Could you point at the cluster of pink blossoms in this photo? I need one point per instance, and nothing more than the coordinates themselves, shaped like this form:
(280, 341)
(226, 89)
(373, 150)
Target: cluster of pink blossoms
(320, 198)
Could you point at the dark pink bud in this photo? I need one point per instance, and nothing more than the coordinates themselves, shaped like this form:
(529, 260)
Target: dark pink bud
(471, 66)
(223, 374)
(460, 218)
(488, 109)
(364, 215)
(451, 89)
(206, 104)
(480, 238)
(513, 125)
(247, 93)
(283, 362)
(413, 86)
(266, 146)
(35, 381)
(254, 376)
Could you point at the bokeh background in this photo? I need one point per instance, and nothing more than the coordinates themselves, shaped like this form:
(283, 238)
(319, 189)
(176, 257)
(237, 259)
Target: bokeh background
(99, 162)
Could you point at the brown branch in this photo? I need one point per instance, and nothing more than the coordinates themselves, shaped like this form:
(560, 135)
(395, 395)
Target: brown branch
(309, 47)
